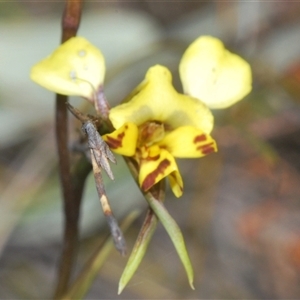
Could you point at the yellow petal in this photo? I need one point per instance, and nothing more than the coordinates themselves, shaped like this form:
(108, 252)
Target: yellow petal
(123, 140)
(154, 169)
(75, 68)
(155, 99)
(214, 75)
(176, 183)
(188, 142)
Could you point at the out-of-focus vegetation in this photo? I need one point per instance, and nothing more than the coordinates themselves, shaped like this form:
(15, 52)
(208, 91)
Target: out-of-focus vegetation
(240, 212)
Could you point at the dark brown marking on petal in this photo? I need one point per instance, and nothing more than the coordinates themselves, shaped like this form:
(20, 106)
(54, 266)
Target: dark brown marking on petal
(113, 143)
(200, 138)
(149, 158)
(121, 135)
(206, 149)
(149, 181)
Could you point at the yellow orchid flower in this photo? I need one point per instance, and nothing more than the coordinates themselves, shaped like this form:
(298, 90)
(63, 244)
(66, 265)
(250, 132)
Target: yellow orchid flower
(163, 124)
(214, 75)
(75, 68)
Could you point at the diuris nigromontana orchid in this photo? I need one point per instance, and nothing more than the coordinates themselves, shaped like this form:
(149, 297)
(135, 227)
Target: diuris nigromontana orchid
(155, 124)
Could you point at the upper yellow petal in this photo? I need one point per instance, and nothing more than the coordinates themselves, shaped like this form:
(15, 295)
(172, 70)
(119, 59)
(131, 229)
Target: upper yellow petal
(214, 75)
(155, 168)
(188, 142)
(75, 68)
(155, 99)
(123, 140)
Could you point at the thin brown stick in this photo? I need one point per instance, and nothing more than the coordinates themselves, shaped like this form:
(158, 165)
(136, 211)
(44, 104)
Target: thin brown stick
(70, 24)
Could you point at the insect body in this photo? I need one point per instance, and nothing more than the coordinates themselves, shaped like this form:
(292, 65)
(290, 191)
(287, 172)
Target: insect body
(100, 157)
(99, 148)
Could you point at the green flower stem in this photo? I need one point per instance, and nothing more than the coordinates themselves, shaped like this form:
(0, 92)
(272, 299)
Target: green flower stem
(70, 24)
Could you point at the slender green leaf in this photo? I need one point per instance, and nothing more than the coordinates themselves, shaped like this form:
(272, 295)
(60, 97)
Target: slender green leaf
(139, 249)
(144, 237)
(176, 236)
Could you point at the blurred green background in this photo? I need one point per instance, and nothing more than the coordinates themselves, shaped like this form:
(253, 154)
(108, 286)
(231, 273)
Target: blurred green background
(240, 211)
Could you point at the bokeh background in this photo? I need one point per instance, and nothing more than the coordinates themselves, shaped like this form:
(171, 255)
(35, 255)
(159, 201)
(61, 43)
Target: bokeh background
(240, 212)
